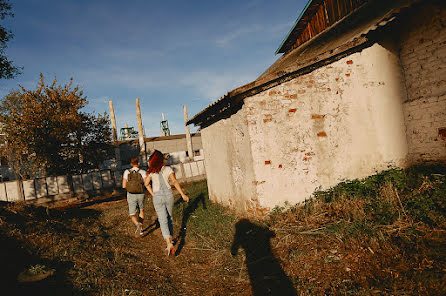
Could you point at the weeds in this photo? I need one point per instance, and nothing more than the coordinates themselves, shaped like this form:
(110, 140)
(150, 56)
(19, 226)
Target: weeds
(380, 235)
(386, 231)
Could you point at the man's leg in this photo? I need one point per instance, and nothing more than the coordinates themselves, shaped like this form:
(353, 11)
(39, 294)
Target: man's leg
(134, 219)
(141, 216)
(132, 200)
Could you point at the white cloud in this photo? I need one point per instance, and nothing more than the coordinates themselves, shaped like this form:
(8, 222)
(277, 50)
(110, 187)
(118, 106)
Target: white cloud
(214, 85)
(226, 40)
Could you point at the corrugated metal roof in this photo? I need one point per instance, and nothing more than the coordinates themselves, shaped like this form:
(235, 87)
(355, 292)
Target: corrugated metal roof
(294, 26)
(317, 16)
(347, 35)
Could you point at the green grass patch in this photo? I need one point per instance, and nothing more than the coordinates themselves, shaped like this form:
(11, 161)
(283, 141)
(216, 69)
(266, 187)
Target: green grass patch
(204, 221)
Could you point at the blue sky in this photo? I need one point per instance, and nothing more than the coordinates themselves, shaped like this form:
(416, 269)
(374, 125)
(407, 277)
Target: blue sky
(166, 53)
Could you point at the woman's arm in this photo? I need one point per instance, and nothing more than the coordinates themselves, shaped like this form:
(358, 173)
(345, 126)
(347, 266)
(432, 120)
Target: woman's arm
(178, 187)
(147, 184)
(124, 183)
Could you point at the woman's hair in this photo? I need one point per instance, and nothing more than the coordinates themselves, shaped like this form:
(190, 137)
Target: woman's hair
(156, 162)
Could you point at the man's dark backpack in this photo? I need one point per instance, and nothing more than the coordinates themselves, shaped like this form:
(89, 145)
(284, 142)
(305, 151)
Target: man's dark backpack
(135, 182)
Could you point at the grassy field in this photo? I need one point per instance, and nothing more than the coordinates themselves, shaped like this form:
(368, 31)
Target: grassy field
(384, 235)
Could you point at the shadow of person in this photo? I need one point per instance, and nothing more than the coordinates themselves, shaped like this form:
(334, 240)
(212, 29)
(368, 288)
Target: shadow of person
(151, 228)
(265, 273)
(180, 240)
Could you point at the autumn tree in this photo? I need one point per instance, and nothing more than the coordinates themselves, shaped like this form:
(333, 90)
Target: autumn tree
(7, 69)
(47, 132)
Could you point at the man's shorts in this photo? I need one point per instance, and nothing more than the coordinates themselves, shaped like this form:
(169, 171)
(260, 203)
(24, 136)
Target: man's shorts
(135, 201)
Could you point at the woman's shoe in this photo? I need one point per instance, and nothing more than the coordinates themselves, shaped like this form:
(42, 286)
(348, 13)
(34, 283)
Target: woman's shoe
(170, 249)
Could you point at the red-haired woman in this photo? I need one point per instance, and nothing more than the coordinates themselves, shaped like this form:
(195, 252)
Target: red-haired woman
(162, 194)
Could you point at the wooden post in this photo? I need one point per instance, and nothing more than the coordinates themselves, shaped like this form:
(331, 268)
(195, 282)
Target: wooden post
(142, 144)
(188, 138)
(115, 135)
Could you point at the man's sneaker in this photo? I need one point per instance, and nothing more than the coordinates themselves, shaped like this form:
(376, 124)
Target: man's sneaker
(138, 230)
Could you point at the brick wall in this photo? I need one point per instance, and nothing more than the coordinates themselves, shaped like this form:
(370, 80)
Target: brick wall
(342, 121)
(423, 57)
(426, 128)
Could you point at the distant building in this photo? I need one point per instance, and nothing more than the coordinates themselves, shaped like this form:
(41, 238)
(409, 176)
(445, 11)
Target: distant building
(128, 133)
(360, 87)
(174, 145)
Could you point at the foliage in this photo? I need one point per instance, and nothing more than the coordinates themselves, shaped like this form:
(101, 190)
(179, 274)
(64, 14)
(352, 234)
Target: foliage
(417, 193)
(46, 131)
(7, 69)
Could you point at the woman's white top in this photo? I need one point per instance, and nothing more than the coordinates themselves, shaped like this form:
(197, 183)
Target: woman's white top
(165, 173)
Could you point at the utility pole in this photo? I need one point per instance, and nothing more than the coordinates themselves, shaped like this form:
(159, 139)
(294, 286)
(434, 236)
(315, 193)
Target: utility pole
(142, 144)
(188, 138)
(115, 135)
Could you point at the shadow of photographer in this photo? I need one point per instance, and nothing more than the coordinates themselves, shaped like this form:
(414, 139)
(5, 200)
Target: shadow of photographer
(265, 273)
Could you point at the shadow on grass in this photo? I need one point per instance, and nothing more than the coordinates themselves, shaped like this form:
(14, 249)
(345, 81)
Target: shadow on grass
(265, 273)
(180, 240)
(18, 255)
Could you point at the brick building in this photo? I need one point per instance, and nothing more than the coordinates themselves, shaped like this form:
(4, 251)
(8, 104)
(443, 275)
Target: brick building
(360, 87)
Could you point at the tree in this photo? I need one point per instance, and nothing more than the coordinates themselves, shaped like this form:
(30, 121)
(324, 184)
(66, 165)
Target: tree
(47, 133)
(7, 69)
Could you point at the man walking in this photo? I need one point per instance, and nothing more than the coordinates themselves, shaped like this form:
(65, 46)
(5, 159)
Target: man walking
(133, 182)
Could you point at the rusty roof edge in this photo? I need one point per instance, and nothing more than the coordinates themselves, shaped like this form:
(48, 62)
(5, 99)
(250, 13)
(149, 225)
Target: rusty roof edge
(294, 26)
(247, 88)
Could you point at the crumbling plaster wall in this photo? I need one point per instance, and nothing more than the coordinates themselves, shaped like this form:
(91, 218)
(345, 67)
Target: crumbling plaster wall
(228, 163)
(423, 56)
(342, 121)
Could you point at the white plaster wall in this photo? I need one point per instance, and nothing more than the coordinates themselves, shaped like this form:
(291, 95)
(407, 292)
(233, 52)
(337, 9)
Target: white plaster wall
(228, 163)
(342, 121)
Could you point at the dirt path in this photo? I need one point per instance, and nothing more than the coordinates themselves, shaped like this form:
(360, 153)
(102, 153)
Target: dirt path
(193, 271)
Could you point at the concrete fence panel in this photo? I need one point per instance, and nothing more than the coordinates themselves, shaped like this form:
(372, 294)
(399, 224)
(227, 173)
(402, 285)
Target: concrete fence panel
(78, 186)
(118, 178)
(29, 190)
(177, 170)
(201, 168)
(62, 183)
(106, 179)
(12, 190)
(51, 183)
(194, 169)
(41, 189)
(86, 180)
(187, 170)
(96, 180)
(3, 196)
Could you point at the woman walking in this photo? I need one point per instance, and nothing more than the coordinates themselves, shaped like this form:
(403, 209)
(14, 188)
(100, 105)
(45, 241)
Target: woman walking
(162, 194)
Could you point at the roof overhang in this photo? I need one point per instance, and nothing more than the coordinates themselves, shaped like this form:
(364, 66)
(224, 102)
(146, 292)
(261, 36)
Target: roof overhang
(354, 33)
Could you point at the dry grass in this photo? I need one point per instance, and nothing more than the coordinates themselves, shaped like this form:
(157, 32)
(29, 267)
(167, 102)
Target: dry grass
(384, 235)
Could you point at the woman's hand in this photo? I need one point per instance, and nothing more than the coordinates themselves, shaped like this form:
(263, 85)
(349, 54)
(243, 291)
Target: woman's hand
(185, 198)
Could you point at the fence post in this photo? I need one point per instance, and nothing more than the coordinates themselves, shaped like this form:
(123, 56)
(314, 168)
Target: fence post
(20, 190)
